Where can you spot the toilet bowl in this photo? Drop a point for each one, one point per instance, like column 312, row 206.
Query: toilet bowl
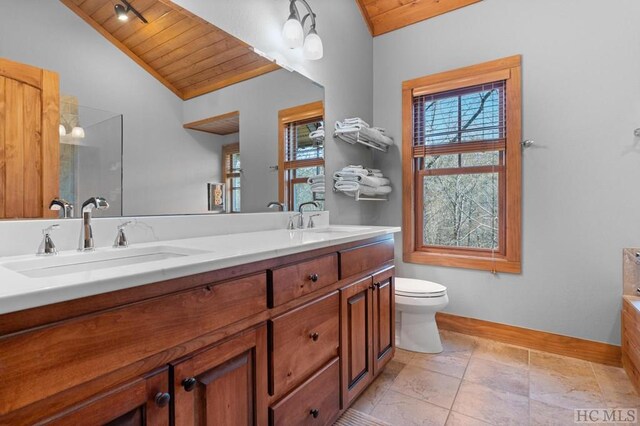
column 417, row 302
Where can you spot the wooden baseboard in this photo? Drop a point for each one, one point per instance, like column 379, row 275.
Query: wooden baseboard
column 574, row 347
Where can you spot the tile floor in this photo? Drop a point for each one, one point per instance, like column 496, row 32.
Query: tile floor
column 481, row 382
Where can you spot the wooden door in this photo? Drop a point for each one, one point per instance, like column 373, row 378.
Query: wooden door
column 29, row 140
column 356, row 309
column 141, row 402
column 383, row 319
column 224, row 385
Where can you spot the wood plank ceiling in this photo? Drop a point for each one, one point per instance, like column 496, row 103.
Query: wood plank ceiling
column 383, row 16
column 224, row 124
column 183, row 51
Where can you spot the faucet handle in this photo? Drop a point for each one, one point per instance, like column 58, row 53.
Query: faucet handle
column 311, row 223
column 48, row 248
column 50, row 229
column 121, row 238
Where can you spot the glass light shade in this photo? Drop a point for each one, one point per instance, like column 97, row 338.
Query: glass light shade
column 313, row 49
column 292, row 33
column 61, row 130
column 77, row 132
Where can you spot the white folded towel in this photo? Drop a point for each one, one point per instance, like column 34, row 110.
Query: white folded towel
column 374, row 181
column 380, row 190
column 356, row 120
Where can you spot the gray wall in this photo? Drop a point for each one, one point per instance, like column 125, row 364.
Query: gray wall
column 581, row 102
column 258, row 101
column 345, row 71
column 165, row 167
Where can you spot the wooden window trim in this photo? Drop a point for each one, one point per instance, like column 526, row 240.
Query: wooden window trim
column 510, row 259
column 286, row 116
column 227, row 152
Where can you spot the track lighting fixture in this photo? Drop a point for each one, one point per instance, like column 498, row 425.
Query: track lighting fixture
column 293, row 32
column 122, row 11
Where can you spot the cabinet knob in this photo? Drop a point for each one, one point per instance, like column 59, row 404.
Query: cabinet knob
column 189, row 384
column 314, row 413
column 372, row 287
column 314, row 336
column 377, row 284
column 162, row 399
column 314, row 277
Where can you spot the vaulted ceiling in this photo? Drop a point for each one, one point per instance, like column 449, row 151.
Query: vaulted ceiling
column 383, row 16
column 184, row 52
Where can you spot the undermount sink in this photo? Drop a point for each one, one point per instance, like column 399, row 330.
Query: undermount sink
column 338, row 229
column 83, row 262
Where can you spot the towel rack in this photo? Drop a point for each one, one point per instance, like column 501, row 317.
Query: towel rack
column 359, row 197
column 355, row 138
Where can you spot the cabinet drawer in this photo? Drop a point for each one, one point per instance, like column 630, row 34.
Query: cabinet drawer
column 87, row 347
column 360, row 259
column 292, row 281
column 303, row 340
column 316, row 402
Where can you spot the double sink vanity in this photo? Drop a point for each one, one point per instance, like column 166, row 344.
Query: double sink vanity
column 275, row 326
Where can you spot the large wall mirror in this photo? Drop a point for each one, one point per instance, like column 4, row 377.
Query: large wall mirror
column 168, row 116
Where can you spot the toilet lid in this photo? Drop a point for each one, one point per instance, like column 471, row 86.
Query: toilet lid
column 419, row 288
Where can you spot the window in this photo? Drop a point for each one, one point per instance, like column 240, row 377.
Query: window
column 462, row 167
column 300, row 156
column 231, row 169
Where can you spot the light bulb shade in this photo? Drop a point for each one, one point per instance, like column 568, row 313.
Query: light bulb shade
column 121, row 12
column 313, row 48
column 292, row 33
column 61, row 130
column 77, row 132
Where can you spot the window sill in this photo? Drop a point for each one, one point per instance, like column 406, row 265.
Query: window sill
column 498, row 264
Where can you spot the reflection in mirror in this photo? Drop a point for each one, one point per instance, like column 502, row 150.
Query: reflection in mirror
column 196, row 123
column 90, row 156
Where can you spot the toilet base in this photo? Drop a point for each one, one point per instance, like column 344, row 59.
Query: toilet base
column 418, row 333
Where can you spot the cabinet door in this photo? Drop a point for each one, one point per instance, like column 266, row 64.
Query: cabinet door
column 224, row 385
column 144, row 401
column 383, row 319
column 356, row 309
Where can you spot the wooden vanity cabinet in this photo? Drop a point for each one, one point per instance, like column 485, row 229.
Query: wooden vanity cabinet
column 285, row 341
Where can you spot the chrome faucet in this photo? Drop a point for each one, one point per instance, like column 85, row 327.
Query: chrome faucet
column 98, row 203
column 276, row 204
column 301, row 217
column 62, row 205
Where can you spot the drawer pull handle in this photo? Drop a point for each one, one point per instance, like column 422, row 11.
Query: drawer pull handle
column 314, row 277
column 189, row 384
column 162, row 399
column 314, row 336
column 315, row 413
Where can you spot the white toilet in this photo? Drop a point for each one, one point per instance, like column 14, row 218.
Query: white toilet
column 417, row 302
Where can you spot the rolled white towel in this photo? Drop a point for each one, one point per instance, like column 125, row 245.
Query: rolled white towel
column 356, row 120
column 318, row 187
column 355, row 169
column 344, row 185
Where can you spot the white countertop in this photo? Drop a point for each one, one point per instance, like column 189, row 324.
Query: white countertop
column 18, row 292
